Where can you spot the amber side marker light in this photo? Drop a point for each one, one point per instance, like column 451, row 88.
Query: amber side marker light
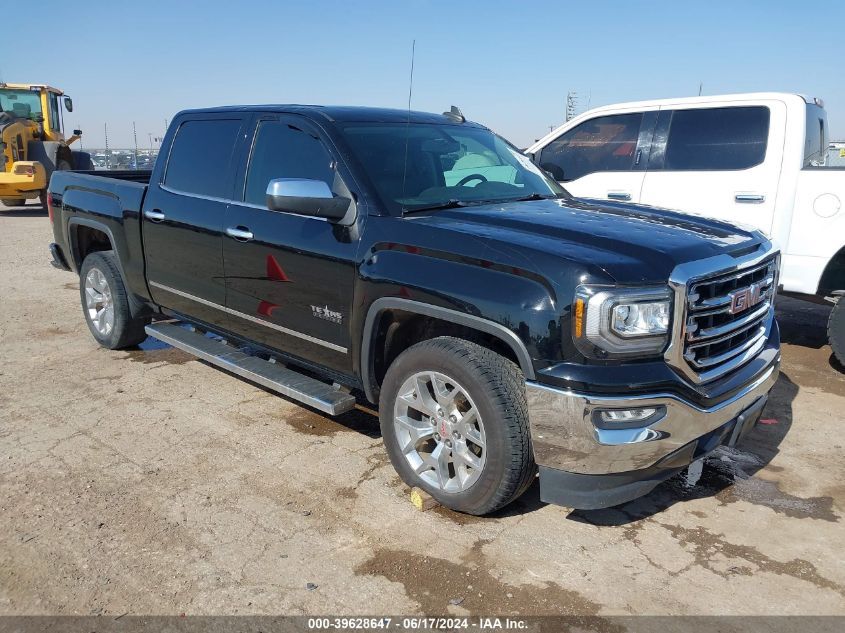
column 579, row 318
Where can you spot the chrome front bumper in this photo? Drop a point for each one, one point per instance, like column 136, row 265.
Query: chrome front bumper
column 565, row 438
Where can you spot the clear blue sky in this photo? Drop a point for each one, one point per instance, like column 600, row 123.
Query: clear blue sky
column 506, row 64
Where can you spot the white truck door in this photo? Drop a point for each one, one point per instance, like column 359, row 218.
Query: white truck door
column 603, row 156
column 720, row 161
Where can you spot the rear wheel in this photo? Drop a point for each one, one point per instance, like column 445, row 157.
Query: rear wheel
column 105, row 304
column 455, row 423
column 14, row 202
column 836, row 330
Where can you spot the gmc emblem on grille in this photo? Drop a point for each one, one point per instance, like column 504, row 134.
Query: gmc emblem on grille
column 745, row 298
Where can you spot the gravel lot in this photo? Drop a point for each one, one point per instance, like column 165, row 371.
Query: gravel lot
column 147, row 482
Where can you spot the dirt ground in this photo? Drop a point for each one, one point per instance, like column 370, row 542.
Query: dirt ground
column 147, row 482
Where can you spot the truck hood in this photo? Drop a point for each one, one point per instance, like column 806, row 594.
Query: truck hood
column 631, row 243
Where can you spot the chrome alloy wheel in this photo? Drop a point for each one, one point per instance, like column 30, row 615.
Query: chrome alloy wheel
column 440, row 432
column 98, row 301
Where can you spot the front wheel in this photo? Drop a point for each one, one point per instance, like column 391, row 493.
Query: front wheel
column 105, row 304
column 455, row 423
column 836, row 330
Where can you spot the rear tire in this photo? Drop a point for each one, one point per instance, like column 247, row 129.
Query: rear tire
column 836, row 330
column 105, row 303
column 14, row 202
column 470, row 462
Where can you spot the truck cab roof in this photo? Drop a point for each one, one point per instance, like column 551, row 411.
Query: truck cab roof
column 345, row 114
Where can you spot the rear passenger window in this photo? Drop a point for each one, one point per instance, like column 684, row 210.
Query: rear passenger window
column 607, row 143
column 815, row 141
column 717, row 138
column 200, row 157
column 283, row 150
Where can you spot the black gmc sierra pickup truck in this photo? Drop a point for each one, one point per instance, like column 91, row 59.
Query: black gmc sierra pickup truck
column 421, row 262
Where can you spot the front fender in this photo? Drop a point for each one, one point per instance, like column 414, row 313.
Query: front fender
column 513, row 304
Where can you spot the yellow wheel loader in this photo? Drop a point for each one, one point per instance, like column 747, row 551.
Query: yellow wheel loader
column 32, row 141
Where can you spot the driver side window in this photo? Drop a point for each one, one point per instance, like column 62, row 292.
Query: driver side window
column 607, row 143
column 283, row 150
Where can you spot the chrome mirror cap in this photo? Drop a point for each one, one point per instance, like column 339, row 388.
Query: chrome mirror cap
column 305, row 197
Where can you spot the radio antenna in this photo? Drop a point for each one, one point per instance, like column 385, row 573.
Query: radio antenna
column 408, row 124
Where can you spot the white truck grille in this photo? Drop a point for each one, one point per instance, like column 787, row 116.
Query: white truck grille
column 727, row 319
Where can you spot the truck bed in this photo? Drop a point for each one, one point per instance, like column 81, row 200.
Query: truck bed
column 112, row 201
column 132, row 175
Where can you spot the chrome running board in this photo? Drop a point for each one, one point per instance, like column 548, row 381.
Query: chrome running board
column 272, row 375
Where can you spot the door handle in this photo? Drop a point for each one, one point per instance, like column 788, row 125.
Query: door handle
column 619, row 195
column 240, row 233
column 750, row 198
column 155, row 215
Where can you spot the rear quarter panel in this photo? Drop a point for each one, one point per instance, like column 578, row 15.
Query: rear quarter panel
column 818, row 227
column 110, row 205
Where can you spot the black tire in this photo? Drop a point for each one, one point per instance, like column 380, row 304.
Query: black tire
column 497, row 388
column 836, row 330
column 126, row 331
column 42, row 198
column 14, row 202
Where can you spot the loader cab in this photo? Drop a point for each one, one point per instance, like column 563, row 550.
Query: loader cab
column 44, row 106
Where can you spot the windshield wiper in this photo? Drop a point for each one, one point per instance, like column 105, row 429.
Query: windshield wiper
column 534, row 196
column 452, row 203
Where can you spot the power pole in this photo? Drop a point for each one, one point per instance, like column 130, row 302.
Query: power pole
column 135, row 136
column 571, row 103
column 150, row 134
column 108, row 153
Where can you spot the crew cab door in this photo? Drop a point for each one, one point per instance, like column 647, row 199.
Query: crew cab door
column 289, row 278
column 721, row 161
column 604, row 156
column 183, row 218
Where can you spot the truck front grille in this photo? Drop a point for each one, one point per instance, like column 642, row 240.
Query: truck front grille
column 728, row 318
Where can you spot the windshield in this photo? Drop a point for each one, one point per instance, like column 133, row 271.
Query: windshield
column 23, row 104
column 446, row 164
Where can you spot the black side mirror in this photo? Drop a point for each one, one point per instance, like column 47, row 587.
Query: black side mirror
column 306, row 197
column 68, row 104
column 77, row 132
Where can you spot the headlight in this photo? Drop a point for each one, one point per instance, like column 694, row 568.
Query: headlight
column 610, row 322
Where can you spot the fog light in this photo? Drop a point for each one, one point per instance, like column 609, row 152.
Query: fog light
column 627, row 415
column 628, row 418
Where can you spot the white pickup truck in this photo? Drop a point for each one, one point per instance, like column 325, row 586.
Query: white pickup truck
column 752, row 159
